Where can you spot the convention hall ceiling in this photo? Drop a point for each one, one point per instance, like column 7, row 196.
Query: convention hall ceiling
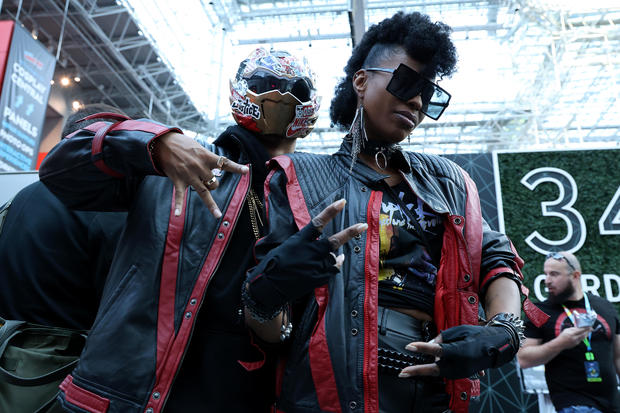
column 532, row 73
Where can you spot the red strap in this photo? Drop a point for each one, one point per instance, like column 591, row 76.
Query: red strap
column 537, row 316
column 97, row 150
column 83, row 398
column 254, row 365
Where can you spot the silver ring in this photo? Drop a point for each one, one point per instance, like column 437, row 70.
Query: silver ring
column 210, row 181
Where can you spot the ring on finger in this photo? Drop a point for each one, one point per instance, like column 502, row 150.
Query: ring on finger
column 210, row 181
column 220, row 162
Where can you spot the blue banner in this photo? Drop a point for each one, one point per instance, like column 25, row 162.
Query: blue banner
column 23, row 103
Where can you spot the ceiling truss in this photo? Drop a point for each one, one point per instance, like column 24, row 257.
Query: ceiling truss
column 116, row 62
column 566, row 62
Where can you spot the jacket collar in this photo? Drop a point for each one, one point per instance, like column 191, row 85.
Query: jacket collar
column 410, row 166
column 249, row 149
column 365, row 174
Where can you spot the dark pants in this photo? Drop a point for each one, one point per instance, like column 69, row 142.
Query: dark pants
column 407, row 395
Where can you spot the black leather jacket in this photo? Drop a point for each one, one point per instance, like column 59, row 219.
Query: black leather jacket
column 162, row 268
column 332, row 364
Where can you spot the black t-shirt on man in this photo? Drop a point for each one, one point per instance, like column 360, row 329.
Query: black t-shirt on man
column 565, row 373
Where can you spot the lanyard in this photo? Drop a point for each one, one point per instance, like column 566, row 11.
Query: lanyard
column 569, row 314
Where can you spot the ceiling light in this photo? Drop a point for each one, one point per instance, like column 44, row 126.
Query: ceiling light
column 77, row 79
column 65, row 81
column 77, row 105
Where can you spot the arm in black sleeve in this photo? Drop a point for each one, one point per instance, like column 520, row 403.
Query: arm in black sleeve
column 100, row 166
column 499, row 259
column 280, row 219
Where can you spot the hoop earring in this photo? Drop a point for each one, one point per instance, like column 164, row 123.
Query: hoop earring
column 358, row 135
column 383, row 158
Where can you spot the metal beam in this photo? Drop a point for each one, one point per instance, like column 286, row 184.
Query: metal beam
column 288, row 11
column 357, row 21
column 307, row 37
column 107, row 11
column 87, row 23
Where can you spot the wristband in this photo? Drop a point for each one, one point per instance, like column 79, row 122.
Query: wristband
column 513, row 324
column 257, row 312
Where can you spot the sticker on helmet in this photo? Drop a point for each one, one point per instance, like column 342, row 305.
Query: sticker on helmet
column 246, row 108
column 302, row 111
column 305, row 117
column 273, row 93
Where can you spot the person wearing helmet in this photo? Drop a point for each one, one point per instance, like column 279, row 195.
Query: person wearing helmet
column 170, row 333
column 273, row 94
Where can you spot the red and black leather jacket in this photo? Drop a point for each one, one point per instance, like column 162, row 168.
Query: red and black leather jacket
column 162, row 267
column 332, row 363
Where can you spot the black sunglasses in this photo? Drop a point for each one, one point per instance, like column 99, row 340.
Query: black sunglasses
column 406, row 83
column 262, row 82
column 560, row 257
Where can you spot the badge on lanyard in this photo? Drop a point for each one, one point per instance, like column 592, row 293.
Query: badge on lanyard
column 593, row 371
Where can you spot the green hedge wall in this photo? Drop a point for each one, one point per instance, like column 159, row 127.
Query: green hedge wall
column 597, row 176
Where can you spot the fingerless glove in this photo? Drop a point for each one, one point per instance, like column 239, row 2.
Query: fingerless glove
column 290, row 271
column 469, row 349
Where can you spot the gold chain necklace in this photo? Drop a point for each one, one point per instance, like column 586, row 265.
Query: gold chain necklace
column 254, row 204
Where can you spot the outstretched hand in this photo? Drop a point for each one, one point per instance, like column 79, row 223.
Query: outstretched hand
column 187, row 163
column 463, row 351
column 339, row 238
column 432, row 348
column 300, row 264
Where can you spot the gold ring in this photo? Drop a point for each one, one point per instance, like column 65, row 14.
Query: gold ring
column 210, row 181
column 220, row 162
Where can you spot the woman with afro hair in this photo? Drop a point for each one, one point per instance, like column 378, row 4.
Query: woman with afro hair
column 388, row 321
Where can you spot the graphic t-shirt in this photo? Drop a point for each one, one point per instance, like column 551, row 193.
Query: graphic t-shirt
column 407, row 270
column 565, row 373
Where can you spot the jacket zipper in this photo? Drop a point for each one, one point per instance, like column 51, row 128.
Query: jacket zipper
column 217, row 266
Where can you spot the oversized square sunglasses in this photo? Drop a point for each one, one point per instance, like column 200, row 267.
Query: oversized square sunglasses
column 559, row 257
column 406, row 83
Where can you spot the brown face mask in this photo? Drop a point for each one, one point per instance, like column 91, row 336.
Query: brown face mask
column 274, row 112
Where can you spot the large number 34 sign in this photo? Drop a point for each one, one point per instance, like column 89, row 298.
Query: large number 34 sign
column 562, row 207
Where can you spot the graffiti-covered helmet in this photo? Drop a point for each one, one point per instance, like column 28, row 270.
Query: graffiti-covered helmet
column 274, row 93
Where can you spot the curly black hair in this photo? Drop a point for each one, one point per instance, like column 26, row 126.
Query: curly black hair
column 427, row 42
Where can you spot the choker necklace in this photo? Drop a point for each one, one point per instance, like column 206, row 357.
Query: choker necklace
column 382, row 152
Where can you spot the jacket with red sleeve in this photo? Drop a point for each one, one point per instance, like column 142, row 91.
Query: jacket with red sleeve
column 162, row 267
column 332, row 362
